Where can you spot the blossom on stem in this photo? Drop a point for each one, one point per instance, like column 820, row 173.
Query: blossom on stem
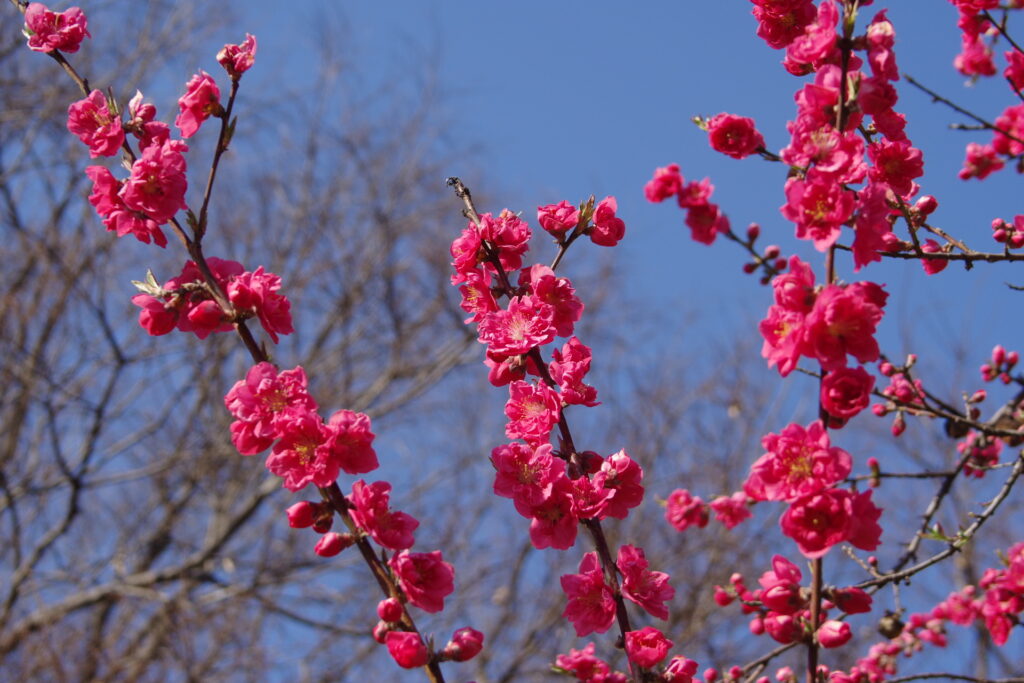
column 649, row 589
column 262, row 402
column 118, row 218
column 798, row 462
column 407, row 649
column 425, row 578
column 683, row 510
column 734, row 136
column 200, row 101
column 532, row 410
column 647, row 647
column 608, row 229
column 591, row 604
column 237, row 59
column 157, row 183
column 49, row 31
column 94, row 124
column 372, row 512
column 558, row 219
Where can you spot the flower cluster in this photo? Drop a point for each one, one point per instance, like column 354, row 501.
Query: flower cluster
column 187, row 303
column 704, row 218
column 825, row 324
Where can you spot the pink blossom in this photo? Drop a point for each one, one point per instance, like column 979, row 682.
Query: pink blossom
column 649, row 589
column 680, row 670
column 155, row 317
column 523, row 473
column 835, row 155
column 607, row 229
column 820, row 520
column 817, row 45
column 975, row 58
column 780, row 22
column 667, row 182
column 621, row 476
column 568, row 367
column 784, row 338
column 528, row 322
column 695, row 193
column 200, row 101
column 261, row 402
column 350, row 442
column 302, row 514
column 141, row 123
column 846, row 391
column 794, row 289
column 509, row 235
column 301, row 457
column 982, row 453
column 872, row 225
column 425, row 578
column 157, row 183
column 798, row 462
column 647, row 647
column 731, row 510
column 51, row 31
column 834, row 633
column 733, row 135
column 407, row 649
column 591, row 604
column 117, row 217
column 843, row 322
column 237, row 59
column 465, row 644
column 555, row 291
column 583, row 664
column 881, row 36
column 91, row 120
column 477, row 298
column 467, row 254
column 933, row 266
column 532, row 410
column 558, row 219
column 256, row 293
column 819, row 206
column 371, row 511
column 553, row 521
column 981, row 162
column 683, row 510
column 895, row 164
column 706, row 221
column 1014, row 71
column 1011, row 121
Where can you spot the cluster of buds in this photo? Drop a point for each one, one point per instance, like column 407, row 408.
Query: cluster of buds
column 1001, row 365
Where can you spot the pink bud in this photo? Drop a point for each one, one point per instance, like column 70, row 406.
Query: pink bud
column 302, row 514
column 710, row 675
column 1005, row 378
column 756, row 626
column 735, row 672
column 1017, row 240
column 879, row 410
column 754, row 231
column 772, row 251
column 390, row 609
column 749, row 268
column 926, row 204
column 780, row 264
column 380, row 631
column 331, row 544
column 887, row 368
column 723, row 597
column 998, row 355
column 978, row 396
column 1000, row 235
column 1011, row 359
column 465, row 644
column 899, row 425
column 834, row 633
column 407, row 649
column 852, row 600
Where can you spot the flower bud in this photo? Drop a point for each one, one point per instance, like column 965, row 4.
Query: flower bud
column 978, row 396
column 899, row 425
column 381, row 631
column 302, row 514
column 465, row 644
column 331, row 544
column 772, row 251
column 998, row 354
column 753, row 231
column 834, row 633
column 390, row 610
column 926, row 204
